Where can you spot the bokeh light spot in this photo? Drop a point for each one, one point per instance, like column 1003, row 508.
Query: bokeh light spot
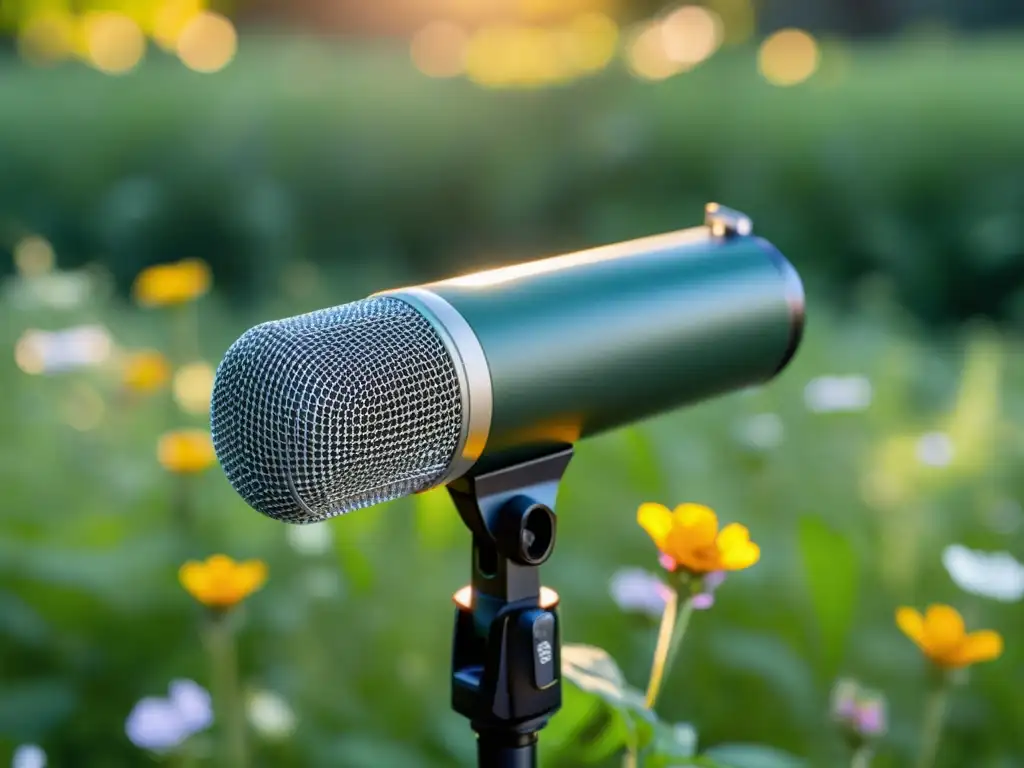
column 33, row 256
column 691, row 34
column 516, row 56
column 647, row 56
column 171, row 18
column 49, row 352
column 591, row 40
column 193, row 386
column 438, row 49
column 208, row 43
column 29, row 353
column 114, row 43
column 788, row 57
column 47, row 38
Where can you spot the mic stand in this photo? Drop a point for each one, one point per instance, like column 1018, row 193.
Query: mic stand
column 506, row 652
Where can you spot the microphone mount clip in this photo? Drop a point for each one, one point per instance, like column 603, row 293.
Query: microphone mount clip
column 506, row 654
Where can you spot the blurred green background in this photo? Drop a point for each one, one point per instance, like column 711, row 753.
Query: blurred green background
column 314, row 152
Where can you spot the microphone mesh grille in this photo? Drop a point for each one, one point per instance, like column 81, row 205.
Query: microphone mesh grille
column 318, row 415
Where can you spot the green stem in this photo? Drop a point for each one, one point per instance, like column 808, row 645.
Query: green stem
column 934, row 720
column 227, row 698
column 862, row 758
column 674, row 621
column 183, row 759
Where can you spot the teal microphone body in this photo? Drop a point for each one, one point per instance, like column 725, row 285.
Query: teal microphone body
column 355, row 405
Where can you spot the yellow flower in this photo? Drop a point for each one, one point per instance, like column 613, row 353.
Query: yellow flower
column 145, row 371
column 221, row 582
column 689, row 536
column 186, row 451
column 941, row 637
column 175, row 283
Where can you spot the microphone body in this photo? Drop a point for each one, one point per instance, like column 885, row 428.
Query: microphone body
column 579, row 344
column 340, row 409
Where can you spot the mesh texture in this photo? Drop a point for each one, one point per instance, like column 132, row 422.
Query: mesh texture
column 322, row 414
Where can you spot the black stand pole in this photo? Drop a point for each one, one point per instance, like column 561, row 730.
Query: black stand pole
column 506, row 652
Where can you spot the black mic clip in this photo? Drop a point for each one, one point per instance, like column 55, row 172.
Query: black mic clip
column 506, row 654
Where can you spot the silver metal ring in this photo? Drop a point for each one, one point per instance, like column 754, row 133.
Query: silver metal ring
column 471, row 367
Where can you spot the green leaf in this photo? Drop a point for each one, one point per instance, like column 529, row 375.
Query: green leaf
column 594, row 671
column 831, row 570
column 782, row 671
column 586, row 730
column 752, row 756
column 674, row 745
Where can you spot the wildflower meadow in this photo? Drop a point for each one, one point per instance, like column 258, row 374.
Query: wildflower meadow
column 816, row 572
column 823, row 571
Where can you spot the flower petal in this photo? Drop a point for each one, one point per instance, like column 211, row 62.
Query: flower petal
column 911, row 623
column 985, row 645
column 944, row 629
column 250, row 576
column 733, row 535
column 699, row 560
column 740, row 556
column 700, row 523
column 193, row 578
column 656, row 520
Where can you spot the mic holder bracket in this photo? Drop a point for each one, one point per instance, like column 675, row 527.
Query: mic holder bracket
column 506, row 659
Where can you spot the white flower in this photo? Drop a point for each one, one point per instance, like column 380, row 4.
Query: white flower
column 270, row 714
column 834, row 394
column 51, row 352
column 313, row 539
column 29, row 756
column 996, row 575
column 762, row 432
column 935, row 449
column 636, row 590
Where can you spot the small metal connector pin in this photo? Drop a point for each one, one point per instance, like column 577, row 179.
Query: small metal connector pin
column 726, row 222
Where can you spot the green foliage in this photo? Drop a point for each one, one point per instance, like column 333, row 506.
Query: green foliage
column 349, row 159
column 357, row 638
column 297, row 164
column 747, row 756
column 832, row 576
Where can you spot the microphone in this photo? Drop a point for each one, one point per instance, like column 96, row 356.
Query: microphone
column 340, row 409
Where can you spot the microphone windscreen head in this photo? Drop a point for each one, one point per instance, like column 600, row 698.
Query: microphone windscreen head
column 321, row 414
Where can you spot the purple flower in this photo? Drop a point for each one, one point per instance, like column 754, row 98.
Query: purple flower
column 162, row 724
column 870, row 718
column 706, row 598
column 636, row 590
column 859, row 711
column 193, row 703
column 29, row 756
column 844, row 699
